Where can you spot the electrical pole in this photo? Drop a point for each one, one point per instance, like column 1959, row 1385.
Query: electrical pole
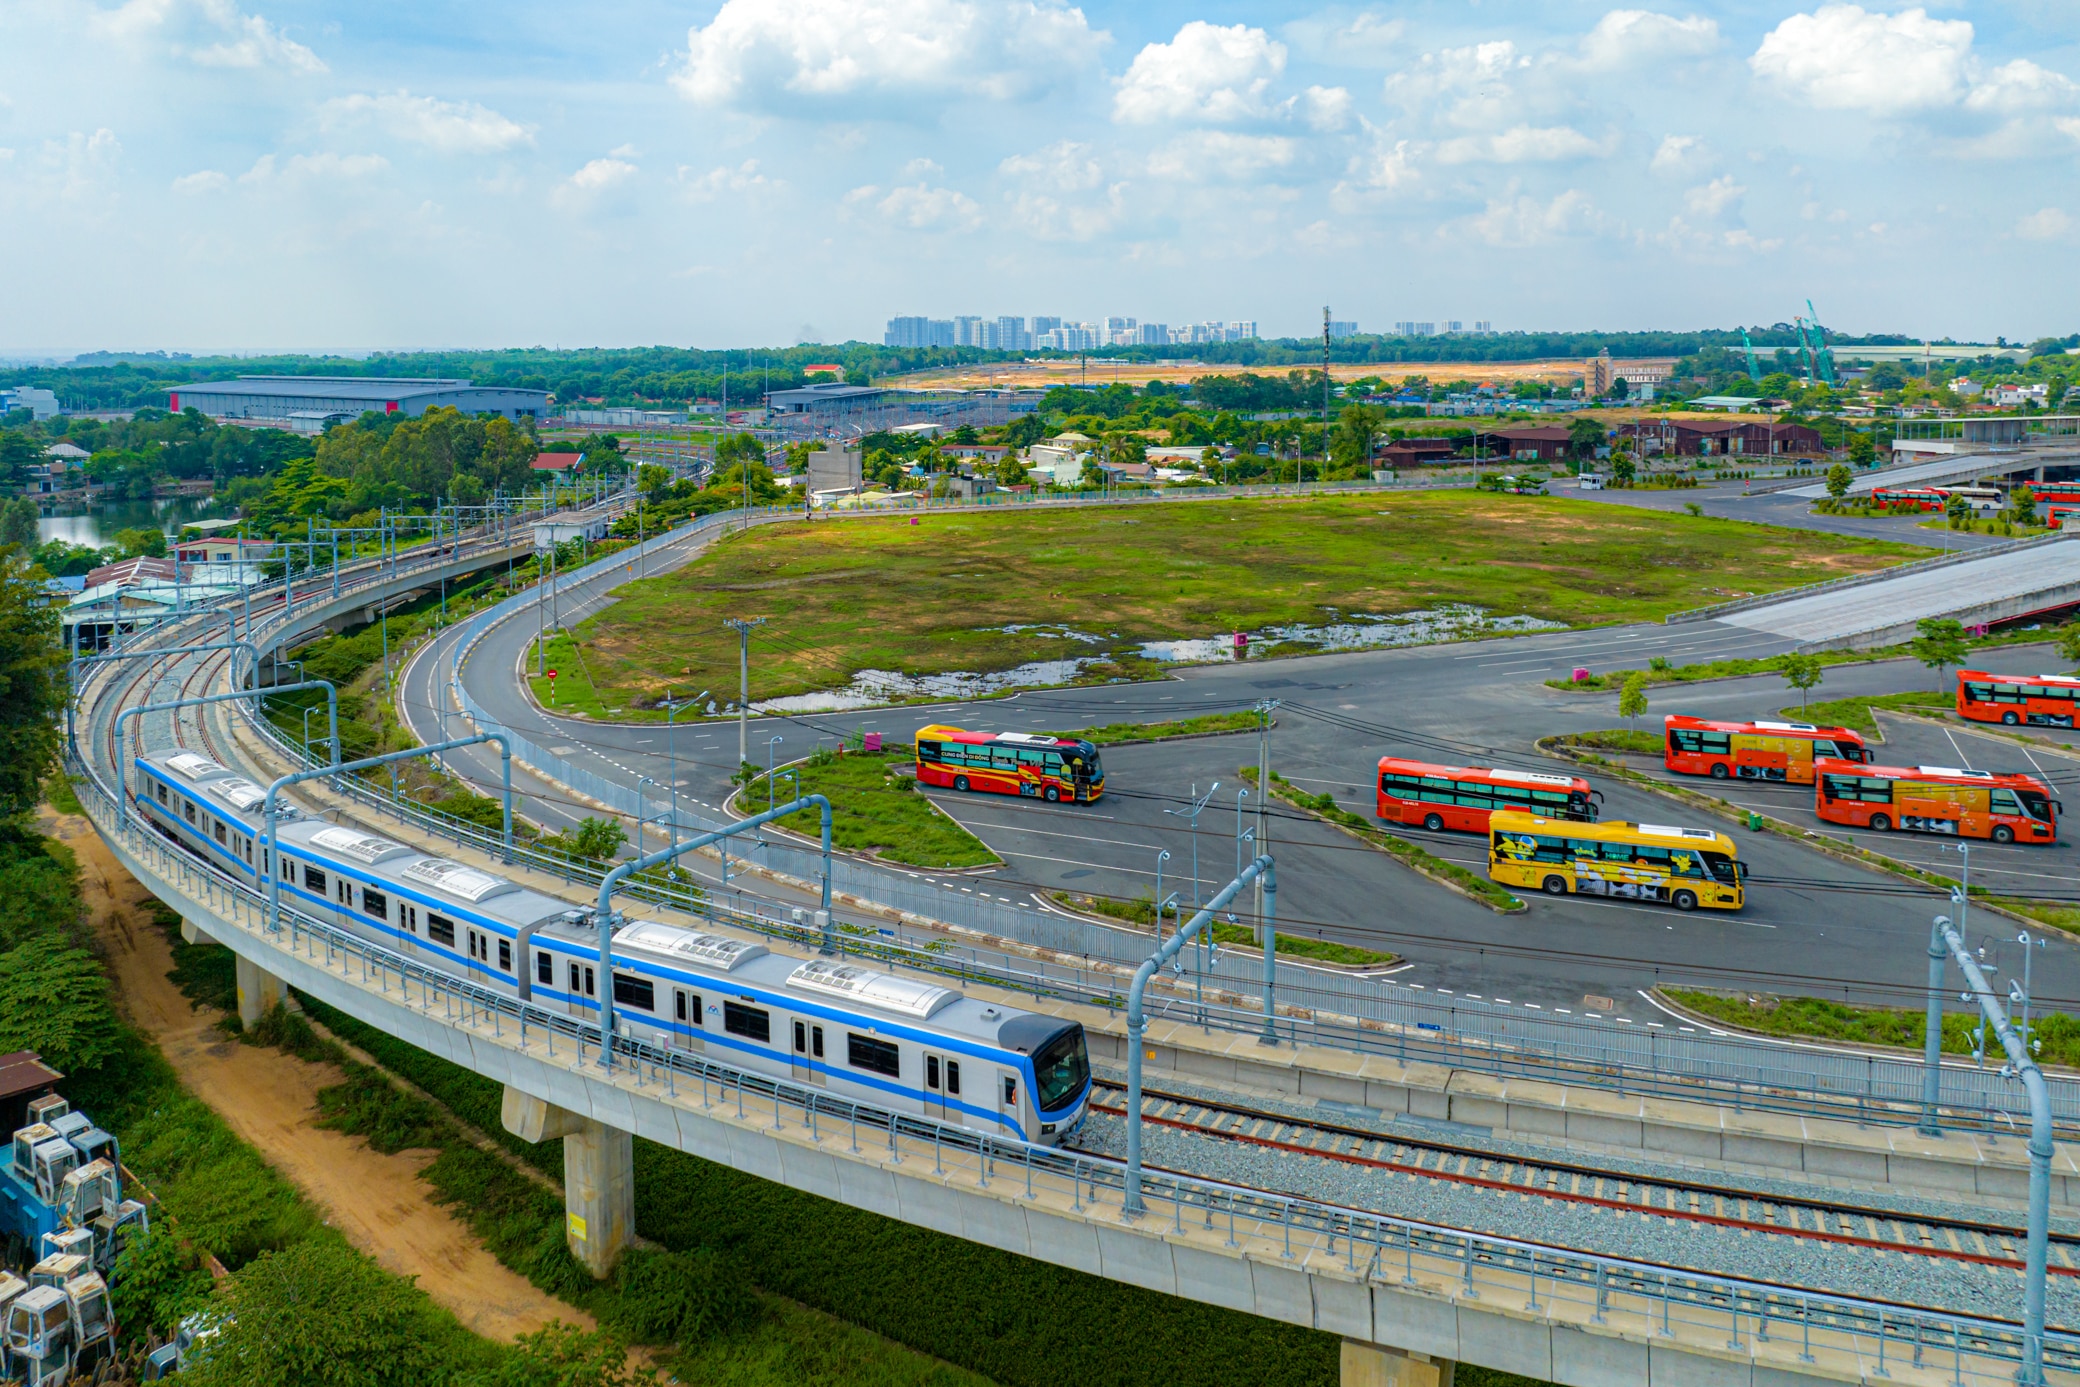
column 1264, row 711
column 1323, row 469
column 743, row 629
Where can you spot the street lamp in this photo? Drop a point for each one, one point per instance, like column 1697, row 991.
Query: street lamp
column 1161, row 857
column 671, row 735
column 1198, row 802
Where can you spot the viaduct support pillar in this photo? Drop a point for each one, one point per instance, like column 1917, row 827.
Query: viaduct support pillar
column 599, row 1176
column 259, row 991
column 1376, row 1365
column 192, row 933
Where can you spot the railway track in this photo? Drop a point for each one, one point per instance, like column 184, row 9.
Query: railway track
column 1722, row 1206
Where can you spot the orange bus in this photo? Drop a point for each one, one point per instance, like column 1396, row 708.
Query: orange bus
column 2041, row 700
column 1055, row 769
column 1782, row 751
column 1922, row 498
column 2006, row 807
column 1462, row 797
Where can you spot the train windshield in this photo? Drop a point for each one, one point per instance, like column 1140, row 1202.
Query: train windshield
column 1060, row 1070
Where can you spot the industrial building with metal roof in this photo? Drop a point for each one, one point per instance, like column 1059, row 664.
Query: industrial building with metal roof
column 347, row 397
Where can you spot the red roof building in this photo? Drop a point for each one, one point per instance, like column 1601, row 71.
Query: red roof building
column 556, row 462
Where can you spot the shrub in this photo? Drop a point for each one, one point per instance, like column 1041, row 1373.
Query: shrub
column 681, row 1298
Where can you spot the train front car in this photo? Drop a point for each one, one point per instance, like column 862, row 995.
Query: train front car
column 1058, row 1072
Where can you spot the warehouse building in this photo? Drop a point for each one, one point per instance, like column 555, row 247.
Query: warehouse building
column 298, row 399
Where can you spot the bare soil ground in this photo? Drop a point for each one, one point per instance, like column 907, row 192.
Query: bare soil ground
column 270, row 1100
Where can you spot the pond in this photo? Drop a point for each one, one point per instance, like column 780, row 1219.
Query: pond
column 96, row 525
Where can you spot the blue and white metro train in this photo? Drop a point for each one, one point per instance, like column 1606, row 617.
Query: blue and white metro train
column 894, row 1042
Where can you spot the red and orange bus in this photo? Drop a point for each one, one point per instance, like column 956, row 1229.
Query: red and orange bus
column 1462, row 797
column 1924, row 498
column 2006, row 807
column 1782, row 751
column 1056, row 769
column 2041, row 700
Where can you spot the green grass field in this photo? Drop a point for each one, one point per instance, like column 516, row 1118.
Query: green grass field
column 942, row 595
column 874, row 810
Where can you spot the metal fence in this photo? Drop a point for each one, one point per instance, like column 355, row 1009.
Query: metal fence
column 1643, row 1300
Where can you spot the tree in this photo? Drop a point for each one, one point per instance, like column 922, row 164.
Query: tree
column 1358, row 428
column 319, row 1312
column 18, row 525
column 1940, row 644
column 1624, row 468
column 1620, row 388
column 54, row 1000
column 1584, row 436
column 1863, row 450
column 593, row 840
column 653, row 481
column 1632, row 698
column 1839, row 478
column 1958, row 509
column 1010, row 470
column 2069, row 642
column 2022, row 506
column 562, row 1355
column 1802, row 672
column 32, row 686
column 146, row 541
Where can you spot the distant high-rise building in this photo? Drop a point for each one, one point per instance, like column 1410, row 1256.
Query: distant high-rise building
column 1154, row 335
column 1407, row 328
column 1043, row 325
column 1012, row 336
column 1596, row 374
column 1482, row 327
column 967, row 330
column 1242, row 332
column 907, row 332
column 1454, row 327
column 1342, row 329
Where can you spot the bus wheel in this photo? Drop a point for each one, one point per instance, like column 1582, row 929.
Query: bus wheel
column 2010, row 719
column 1434, row 822
column 1555, row 885
column 2003, row 834
column 960, row 782
column 1054, row 796
column 1684, row 900
column 1718, row 770
column 1880, row 824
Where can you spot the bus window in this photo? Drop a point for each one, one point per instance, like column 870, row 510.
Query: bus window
column 928, row 751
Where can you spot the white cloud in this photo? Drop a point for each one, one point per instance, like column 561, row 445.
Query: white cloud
column 1525, row 221
column 450, row 127
column 776, row 54
column 1062, row 193
column 1206, row 72
column 1678, row 154
column 600, row 174
column 210, row 33
column 1624, row 37
column 1220, row 154
column 1064, row 166
column 2020, row 86
column 2050, row 224
column 1843, row 57
column 1523, row 144
column 1384, row 168
column 1715, row 197
column 202, row 181
column 324, row 167
column 1328, row 108
column 706, row 187
column 919, row 207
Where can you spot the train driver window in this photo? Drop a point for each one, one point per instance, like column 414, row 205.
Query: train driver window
column 544, row 970
column 314, row 880
column 1010, row 1091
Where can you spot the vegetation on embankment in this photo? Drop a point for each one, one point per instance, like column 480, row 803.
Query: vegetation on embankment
column 1413, row 855
column 1855, row 713
column 1661, row 670
column 875, row 808
column 986, row 592
column 988, row 1311
column 1906, row 1028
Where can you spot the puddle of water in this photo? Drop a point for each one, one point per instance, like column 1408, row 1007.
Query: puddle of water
column 1448, row 622
column 1063, row 633
column 872, row 687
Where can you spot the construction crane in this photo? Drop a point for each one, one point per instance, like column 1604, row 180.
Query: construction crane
column 1822, row 357
column 1754, row 372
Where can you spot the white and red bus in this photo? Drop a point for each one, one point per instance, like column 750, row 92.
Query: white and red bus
column 2006, row 807
column 1782, row 751
column 1462, row 797
column 2040, row 700
column 1056, row 769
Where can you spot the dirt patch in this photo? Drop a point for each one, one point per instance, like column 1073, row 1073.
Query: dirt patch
column 270, row 1099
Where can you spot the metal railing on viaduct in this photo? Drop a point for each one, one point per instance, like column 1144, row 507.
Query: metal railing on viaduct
column 1387, row 1284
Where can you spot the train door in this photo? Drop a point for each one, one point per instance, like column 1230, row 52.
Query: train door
column 1007, row 1103
column 942, row 1086
column 808, row 1052
column 408, row 916
column 479, row 952
column 582, row 993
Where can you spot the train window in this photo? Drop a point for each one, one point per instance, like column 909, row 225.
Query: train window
column 1010, row 1091
column 441, row 930
column 505, row 955
column 931, row 1071
column 344, row 890
column 218, row 827
column 589, row 981
column 544, row 970
column 314, row 880
column 816, row 1041
column 188, row 809
column 411, row 918
column 754, row 1022
column 953, row 1078
column 687, row 1007
column 635, row 992
column 877, row 1056
column 375, row 903
column 162, row 792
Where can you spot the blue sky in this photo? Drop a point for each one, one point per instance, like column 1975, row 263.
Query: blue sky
column 263, row 174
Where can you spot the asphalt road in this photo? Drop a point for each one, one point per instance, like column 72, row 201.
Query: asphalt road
column 1727, row 502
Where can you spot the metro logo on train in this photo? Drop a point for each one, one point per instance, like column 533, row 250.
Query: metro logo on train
column 901, row 1043
column 1783, row 751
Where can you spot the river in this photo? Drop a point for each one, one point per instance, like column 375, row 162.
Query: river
column 96, row 525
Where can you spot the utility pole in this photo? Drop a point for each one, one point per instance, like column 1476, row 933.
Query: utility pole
column 743, row 629
column 1323, row 469
column 1264, row 711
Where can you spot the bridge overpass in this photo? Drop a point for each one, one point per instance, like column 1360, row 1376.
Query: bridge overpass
column 1410, row 1296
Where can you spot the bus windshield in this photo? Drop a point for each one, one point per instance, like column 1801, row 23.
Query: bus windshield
column 2036, row 805
column 1084, row 765
column 1060, row 1070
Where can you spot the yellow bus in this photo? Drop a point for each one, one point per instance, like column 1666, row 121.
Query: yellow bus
column 1685, row 867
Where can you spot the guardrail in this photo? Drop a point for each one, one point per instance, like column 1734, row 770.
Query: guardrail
column 1369, row 1015
column 1653, row 1302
